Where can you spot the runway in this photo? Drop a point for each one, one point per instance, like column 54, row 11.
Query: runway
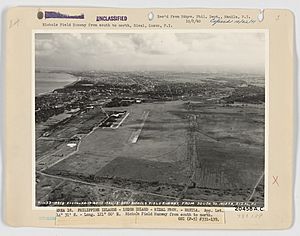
column 135, row 134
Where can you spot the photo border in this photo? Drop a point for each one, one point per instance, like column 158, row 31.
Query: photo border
column 144, row 31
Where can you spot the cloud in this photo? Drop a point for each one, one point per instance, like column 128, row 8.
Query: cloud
column 44, row 47
column 158, row 43
column 139, row 51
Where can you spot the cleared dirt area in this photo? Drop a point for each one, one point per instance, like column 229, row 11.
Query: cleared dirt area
column 201, row 153
column 191, row 136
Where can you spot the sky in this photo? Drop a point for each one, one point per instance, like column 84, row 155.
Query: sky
column 237, row 51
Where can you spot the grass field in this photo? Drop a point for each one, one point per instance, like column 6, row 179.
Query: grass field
column 194, row 152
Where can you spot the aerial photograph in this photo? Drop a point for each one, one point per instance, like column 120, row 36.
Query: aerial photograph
column 150, row 118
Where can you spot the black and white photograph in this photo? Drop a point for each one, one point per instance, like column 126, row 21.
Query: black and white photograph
column 150, row 118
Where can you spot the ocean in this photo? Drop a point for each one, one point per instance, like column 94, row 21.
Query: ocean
column 48, row 81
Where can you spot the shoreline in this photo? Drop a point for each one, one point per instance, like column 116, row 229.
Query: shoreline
column 52, row 91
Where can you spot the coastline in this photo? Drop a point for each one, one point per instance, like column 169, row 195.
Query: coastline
column 68, row 84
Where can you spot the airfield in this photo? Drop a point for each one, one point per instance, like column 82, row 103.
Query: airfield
column 159, row 151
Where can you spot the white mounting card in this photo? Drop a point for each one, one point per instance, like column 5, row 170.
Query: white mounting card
column 149, row 118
